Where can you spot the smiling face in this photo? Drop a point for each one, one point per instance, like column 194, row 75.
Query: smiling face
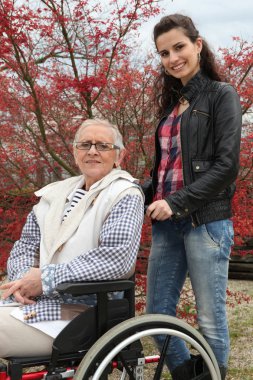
column 179, row 55
column 95, row 164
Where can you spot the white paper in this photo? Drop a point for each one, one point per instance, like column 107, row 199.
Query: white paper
column 51, row 328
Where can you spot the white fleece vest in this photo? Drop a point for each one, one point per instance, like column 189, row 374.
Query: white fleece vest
column 63, row 241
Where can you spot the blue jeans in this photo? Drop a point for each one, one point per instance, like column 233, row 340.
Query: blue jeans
column 203, row 252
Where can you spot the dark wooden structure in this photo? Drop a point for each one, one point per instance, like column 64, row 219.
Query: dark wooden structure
column 241, row 265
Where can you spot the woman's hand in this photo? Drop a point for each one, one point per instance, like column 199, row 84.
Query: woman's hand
column 159, row 210
column 25, row 288
column 22, row 299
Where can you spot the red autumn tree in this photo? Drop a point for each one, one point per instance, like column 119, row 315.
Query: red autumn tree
column 237, row 67
column 56, row 60
column 127, row 101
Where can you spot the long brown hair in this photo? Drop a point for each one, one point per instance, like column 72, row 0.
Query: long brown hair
column 166, row 86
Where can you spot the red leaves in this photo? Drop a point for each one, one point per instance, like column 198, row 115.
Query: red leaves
column 13, row 211
column 89, row 83
column 86, row 84
column 236, row 66
column 243, row 199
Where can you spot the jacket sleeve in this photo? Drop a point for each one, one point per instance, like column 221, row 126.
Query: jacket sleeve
column 148, row 191
column 115, row 256
column 25, row 252
column 227, row 121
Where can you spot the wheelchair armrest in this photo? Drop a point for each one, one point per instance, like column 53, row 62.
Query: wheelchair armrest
column 95, row 287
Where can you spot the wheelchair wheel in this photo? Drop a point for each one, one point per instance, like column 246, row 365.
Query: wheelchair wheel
column 127, row 351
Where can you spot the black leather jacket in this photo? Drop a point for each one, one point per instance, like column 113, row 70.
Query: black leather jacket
column 210, row 143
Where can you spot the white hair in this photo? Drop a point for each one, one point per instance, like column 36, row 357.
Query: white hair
column 118, row 140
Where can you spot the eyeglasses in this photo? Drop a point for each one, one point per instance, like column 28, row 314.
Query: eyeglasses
column 100, row 146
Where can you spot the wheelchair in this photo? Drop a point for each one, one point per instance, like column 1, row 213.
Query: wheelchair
column 109, row 342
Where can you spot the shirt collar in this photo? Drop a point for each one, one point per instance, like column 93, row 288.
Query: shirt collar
column 79, row 185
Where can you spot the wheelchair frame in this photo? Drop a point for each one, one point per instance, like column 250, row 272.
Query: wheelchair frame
column 107, row 337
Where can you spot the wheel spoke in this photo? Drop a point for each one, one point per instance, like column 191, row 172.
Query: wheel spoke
column 159, row 368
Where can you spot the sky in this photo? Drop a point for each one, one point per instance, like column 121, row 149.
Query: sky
column 217, row 20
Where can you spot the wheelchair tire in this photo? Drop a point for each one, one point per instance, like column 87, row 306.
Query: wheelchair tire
column 114, row 341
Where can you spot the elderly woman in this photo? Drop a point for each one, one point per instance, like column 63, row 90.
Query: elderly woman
column 84, row 228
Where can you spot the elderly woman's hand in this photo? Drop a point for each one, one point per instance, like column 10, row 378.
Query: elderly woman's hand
column 25, row 288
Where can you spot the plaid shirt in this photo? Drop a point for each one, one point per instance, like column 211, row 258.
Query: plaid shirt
column 170, row 173
column 119, row 244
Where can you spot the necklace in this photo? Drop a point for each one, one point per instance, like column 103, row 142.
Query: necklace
column 183, row 101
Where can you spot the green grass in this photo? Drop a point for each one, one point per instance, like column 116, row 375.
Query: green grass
column 241, row 335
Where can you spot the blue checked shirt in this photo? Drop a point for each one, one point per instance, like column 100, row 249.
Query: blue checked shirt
column 117, row 251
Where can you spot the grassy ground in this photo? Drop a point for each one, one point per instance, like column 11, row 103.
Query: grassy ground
column 241, row 332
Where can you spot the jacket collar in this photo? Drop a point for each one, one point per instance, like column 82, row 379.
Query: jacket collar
column 189, row 91
column 194, row 86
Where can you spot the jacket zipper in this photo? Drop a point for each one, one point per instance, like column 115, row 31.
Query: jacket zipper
column 194, row 112
column 181, row 153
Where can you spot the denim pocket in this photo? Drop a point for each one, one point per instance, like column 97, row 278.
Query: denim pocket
column 230, row 231
column 214, row 231
column 219, row 231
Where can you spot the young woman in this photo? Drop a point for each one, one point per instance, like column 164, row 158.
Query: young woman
column 197, row 144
